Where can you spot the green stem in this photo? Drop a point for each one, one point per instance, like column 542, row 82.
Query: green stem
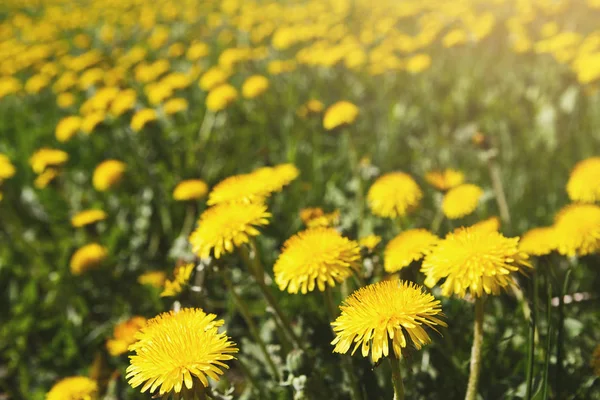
column 246, row 314
column 531, row 341
column 475, row 364
column 346, row 362
column 496, row 177
column 397, row 378
column 560, row 348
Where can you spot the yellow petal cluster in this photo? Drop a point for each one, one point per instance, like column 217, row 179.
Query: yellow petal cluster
column 74, row 388
column 87, row 217
column 191, row 189
column 124, row 335
column 410, row 245
column 461, row 200
column 394, row 195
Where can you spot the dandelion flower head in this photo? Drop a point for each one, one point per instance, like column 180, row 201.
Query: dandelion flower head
column 394, row 194
column 315, row 258
column 221, row 97
column 176, row 351
column 473, row 260
column 191, row 189
column 47, row 157
column 7, row 169
column 445, row 179
column 226, row 226
column 108, row 174
column 577, row 229
column 339, row 114
column 461, row 200
column 584, row 182
column 388, row 310
column 152, row 278
column 254, row 86
column 410, row 245
column 87, row 257
column 538, row 241
column 370, row 242
column 74, row 388
column 124, row 335
column 181, row 277
column 45, row 178
column 87, row 217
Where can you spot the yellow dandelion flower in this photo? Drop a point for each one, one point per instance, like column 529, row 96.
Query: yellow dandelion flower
column 490, row 224
column 181, row 277
column 340, row 113
column 44, row 179
column 311, row 107
column 67, row 127
column 47, row 157
column 418, row 63
column 577, row 229
column 87, row 257
column 307, row 214
column 9, row 85
column 388, row 310
column 173, row 106
column 408, row 246
column 369, row 242
column 225, row 226
column 254, row 86
column 142, row 117
column 36, row 83
column 7, row 169
column 152, row 278
column 315, row 257
column 74, row 388
column 221, row 97
column 475, row 260
column 65, row 100
column 212, row 78
column 92, row 120
column 461, row 200
column 108, row 174
column 123, row 102
column 87, row 217
column 325, row 220
column 584, row 182
column 191, row 189
column 176, row 50
column 196, row 51
column 124, row 335
column 538, row 241
column 394, row 194
column 445, row 179
column 175, row 353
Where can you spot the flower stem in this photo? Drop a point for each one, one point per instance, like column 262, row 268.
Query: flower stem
column 397, row 378
column 346, row 363
column 496, row 177
column 243, row 308
column 476, row 351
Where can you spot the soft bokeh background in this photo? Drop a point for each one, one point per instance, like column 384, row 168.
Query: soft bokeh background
column 427, row 77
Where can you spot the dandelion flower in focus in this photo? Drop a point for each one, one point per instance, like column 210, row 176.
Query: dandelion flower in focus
column 315, row 257
column 74, row 388
column 538, row 241
column 388, row 310
column 473, row 260
column 124, row 335
column 152, row 278
column 181, row 277
column 191, row 189
column 226, row 226
column 254, row 86
column 221, row 97
column 340, row 113
column 87, row 257
column 141, row 118
column 108, row 174
column 410, row 245
column 45, row 178
column 445, row 179
column 46, row 157
column 584, row 182
column 461, row 200
column 577, row 229
column 87, row 217
column 67, row 127
column 394, row 194
column 175, row 353
column 369, row 242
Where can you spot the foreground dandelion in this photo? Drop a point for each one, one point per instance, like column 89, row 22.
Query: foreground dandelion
column 226, row 226
column 394, row 195
column 410, row 245
column 191, row 189
column 87, row 217
column 386, row 311
column 181, row 277
column 478, row 261
column 74, row 388
column 577, row 229
column 584, row 182
column 445, row 179
column 124, row 335
column 315, row 258
column 461, row 201
column 87, row 257
column 176, row 352
column 339, row 114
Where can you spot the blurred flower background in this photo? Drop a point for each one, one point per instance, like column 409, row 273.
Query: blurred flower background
column 227, row 199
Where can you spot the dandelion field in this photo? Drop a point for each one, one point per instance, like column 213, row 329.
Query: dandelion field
column 299, row 199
